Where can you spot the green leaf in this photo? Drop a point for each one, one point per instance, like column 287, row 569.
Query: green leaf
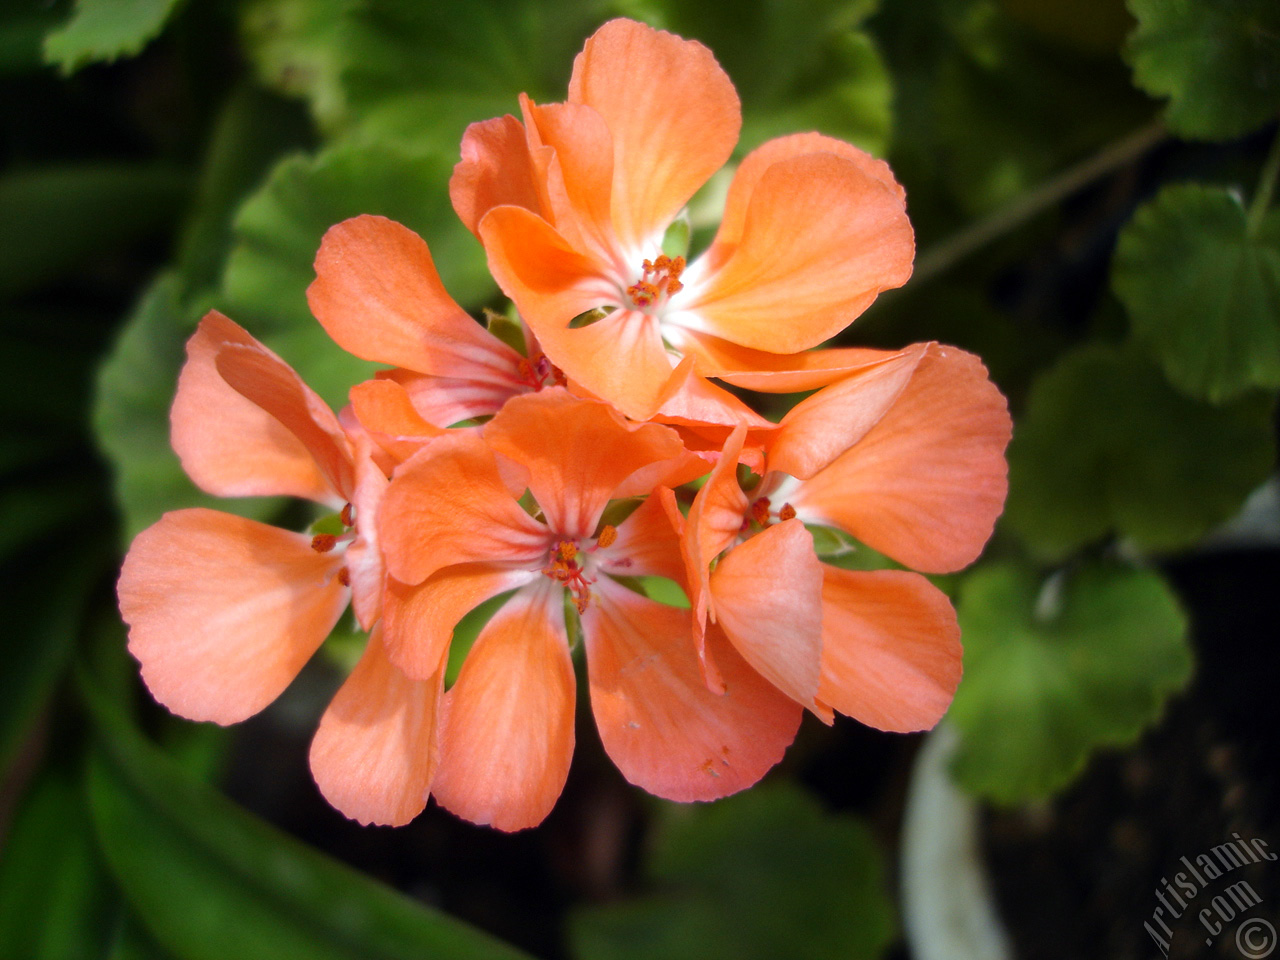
column 134, row 943
column 279, row 229
column 763, row 874
column 105, row 30
column 55, row 897
column 1105, row 445
column 987, row 109
column 797, row 66
column 22, row 33
column 1056, row 670
column 1202, row 291
column 853, row 101
column 1218, row 62
column 67, row 214
column 136, row 383
column 210, row 881
column 362, row 66
column 131, row 415
column 250, row 133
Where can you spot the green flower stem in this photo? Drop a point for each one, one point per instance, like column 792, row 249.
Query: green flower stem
column 940, row 258
column 1266, row 187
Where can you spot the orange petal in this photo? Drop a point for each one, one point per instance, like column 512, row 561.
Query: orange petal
column 260, row 376
column 619, row 358
column 385, row 409
column 579, row 453
column 695, row 584
column 578, row 175
column 714, row 522
column 691, row 399
column 821, row 427
column 507, row 737
column 448, row 401
column 767, row 594
column 378, row 294
column 769, row 372
column 365, row 567
column 449, row 505
column 647, row 545
column 230, row 446
column 673, row 114
column 715, row 519
column 419, row 620
column 747, row 177
column 926, row 484
column 658, row 722
column 377, row 747
column 820, row 241
column 223, row 611
column 890, row 648
column 495, row 170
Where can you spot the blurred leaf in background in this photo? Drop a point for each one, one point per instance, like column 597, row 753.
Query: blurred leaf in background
column 210, row 881
column 1218, row 62
column 763, row 874
column 363, row 70
column 1200, row 278
column 105, row 30
column 1056, row 668
column 818, row 70
column 1106, row 446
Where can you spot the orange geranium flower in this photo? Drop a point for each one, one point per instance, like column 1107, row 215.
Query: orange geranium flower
column 223, row 612
column 455, row 534
column 906, row 453
column 572, row 206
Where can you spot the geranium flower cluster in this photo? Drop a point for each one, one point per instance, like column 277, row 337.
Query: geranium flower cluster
column 570, row 475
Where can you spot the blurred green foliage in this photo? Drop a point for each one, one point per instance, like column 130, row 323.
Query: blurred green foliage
column 161, row 159
column 1074, row 476
column 764, row 874
column 1218, row 62
column 1057, row 668
column 1200, row 278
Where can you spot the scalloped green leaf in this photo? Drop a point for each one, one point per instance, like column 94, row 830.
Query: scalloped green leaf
column 1203, row 290
column 1107, row 446
column 210, row 881
column 1055, row 670
column 105, row 30
column 760, row 875
column 1218, row 62
column 278, row 232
